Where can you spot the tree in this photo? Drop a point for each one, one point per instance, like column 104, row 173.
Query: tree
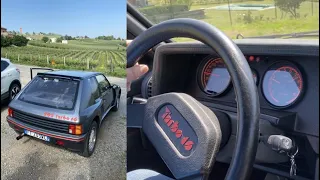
column 27, row 34
column 187, row 2
column 33, row 33
column 3, row 41
column 290, row 6
column 59, row 39
column 66, row 37
column 19, row 40
column 45, row 39
column 6, row 41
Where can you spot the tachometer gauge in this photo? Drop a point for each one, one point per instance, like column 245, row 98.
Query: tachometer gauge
column 214, row 77
column 282, row 84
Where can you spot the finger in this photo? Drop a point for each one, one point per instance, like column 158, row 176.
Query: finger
column 136, row 71
column 128, row 42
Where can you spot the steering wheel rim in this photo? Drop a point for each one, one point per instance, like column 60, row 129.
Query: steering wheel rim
column 248, row 107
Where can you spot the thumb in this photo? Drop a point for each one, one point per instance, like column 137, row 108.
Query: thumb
column 135, row 72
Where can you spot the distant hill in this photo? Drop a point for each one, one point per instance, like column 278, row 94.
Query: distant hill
column 39, row 37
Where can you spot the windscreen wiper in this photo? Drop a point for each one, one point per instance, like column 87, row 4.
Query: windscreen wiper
column 284, row 36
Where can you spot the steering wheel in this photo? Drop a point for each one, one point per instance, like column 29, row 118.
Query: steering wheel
column 185, row 133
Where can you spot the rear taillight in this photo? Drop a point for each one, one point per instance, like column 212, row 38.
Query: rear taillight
column 75, row 129
column 10, row 112
column 18, row 70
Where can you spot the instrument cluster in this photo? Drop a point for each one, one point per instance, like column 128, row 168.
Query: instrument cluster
column 281, row 83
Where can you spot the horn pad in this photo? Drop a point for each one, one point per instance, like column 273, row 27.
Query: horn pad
column 185, row 133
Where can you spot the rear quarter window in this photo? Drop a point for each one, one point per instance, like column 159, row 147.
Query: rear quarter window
column 4, row 65
column 51, row 92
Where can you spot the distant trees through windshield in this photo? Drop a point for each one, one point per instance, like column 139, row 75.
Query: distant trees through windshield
column 233, row 17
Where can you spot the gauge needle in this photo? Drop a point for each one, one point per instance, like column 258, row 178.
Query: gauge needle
column 276, row 81
column 293, row 79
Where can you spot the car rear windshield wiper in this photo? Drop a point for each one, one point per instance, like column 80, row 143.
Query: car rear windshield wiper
column 284, row 36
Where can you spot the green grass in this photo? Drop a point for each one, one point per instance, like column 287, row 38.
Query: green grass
column 76, row 55
column 269, row 25
column 96, row 44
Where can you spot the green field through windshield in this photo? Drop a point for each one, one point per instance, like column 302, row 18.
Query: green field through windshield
column 233, row 17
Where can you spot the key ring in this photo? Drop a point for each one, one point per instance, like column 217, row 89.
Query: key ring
column 293, row 155
column 293, row 168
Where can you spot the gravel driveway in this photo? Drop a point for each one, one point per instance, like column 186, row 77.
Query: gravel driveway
column 30, row 158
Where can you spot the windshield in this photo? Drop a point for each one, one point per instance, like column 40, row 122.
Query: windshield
column 51, row 92
column 241, row 18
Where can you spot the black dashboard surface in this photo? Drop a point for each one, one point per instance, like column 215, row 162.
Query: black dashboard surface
column 183, row 60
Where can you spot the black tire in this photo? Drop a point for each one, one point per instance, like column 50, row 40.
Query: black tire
column 87, row 152
column 116, row 106
column 14, row 89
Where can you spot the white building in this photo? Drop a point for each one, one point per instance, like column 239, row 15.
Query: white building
column 29, row 38
column 64, row 41
column 53, row 40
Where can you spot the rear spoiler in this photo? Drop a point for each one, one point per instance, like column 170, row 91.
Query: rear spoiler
column 31, row 69
column 58, row 76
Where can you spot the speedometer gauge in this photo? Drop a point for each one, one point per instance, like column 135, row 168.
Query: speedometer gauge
column 214, row 77
column 282, row 84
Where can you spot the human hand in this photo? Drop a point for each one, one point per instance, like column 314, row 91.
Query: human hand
column 135, row 71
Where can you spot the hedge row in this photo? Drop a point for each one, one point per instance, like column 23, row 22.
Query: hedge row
column 153, row 10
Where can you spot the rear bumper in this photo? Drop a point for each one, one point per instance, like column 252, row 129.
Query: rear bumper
column 72, row 142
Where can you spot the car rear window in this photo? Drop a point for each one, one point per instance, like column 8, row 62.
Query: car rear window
column 51, row 92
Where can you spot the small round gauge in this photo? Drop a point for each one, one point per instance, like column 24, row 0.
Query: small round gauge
column 282, row 84
column 214, row 77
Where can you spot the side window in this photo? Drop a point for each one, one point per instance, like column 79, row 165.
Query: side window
column 103, row 82
column 4, row 65
column 94, row 90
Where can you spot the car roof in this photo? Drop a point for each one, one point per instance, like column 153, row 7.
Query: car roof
column 5, row 59
column 76, row 74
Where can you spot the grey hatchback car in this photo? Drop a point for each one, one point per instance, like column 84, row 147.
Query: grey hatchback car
column 65, row 108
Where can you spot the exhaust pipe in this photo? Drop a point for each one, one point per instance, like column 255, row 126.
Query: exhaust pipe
column 20, row 136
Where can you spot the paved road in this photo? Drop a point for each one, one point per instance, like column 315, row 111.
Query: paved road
column 30, row 158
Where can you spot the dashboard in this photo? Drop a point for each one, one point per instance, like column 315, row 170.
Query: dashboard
column 286, row 73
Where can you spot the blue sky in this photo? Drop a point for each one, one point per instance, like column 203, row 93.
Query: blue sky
column 72, row 17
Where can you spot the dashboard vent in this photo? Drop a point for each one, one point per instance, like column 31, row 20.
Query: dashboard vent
column 149, row 88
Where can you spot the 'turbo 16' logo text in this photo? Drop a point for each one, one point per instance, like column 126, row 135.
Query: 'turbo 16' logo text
column 174, row 127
